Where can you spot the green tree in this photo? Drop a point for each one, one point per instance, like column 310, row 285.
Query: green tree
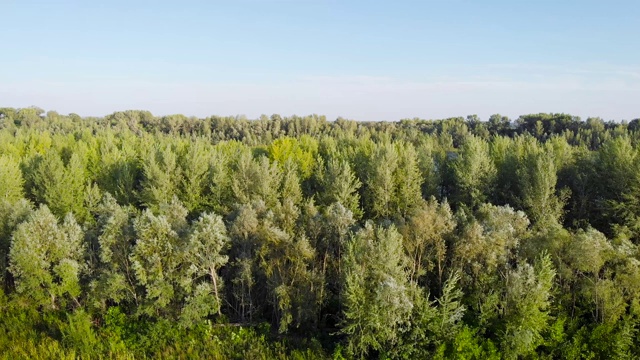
column 205, row 254
column 506, row 154
column 381, row 181
column 618, row 168
column 119, row 171
column 526, row 307
column 408, row 179
column 340, row 184
column 484, row 251
column 219, row 181
column 194, row 166
column 291, row 190
column 243, row 270
column 450, row 310
column 376, row 292
column 62, row 187
column 430, row 158
column 537, row 177
column 11, row 215
column 156, row 260
column 587, row 255
column 489, row 242
column 301, row 152
column 425, row 239
column 11, row 181
column 433, row 324
column 474, row 173
column 114, row 278
column 255, row 180
column 336, row 223
column 161, row 176
column 46, row 259
column 291, row 282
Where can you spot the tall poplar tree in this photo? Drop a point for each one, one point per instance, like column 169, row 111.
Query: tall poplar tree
column 474, row 173
column 376, row 291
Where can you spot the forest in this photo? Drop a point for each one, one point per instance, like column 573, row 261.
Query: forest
column 141, row 236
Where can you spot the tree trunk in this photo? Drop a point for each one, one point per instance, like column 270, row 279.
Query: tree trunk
column 214, row 280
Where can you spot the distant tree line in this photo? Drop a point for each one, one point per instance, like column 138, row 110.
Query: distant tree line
column 134, row 235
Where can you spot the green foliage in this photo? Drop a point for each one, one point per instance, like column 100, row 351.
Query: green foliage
column 161, row 176
column 425, row 240
column 394, row 181
column 195, row 174
column 11, row 215
column 156, row 261
column 450, row 309
column 527, row 302
column 377, row 292
column 474, row 173
column 255, row 180
column 408, row 179
column 302, row 152
column 114, row 275
column 618, row 169
column 537, row 177
column 381, row 184
column 10, row 180
column 46, row 259
column 225, row 238
column 205, row 252
column 61, row 187
column 339, row 184
column 119, row 170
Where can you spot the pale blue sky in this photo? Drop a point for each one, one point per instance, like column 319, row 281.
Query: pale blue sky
column 365, row 60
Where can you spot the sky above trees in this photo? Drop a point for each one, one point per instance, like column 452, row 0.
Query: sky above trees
column 366, row 60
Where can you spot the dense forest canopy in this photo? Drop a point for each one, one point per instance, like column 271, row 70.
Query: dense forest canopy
column 132, row 235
